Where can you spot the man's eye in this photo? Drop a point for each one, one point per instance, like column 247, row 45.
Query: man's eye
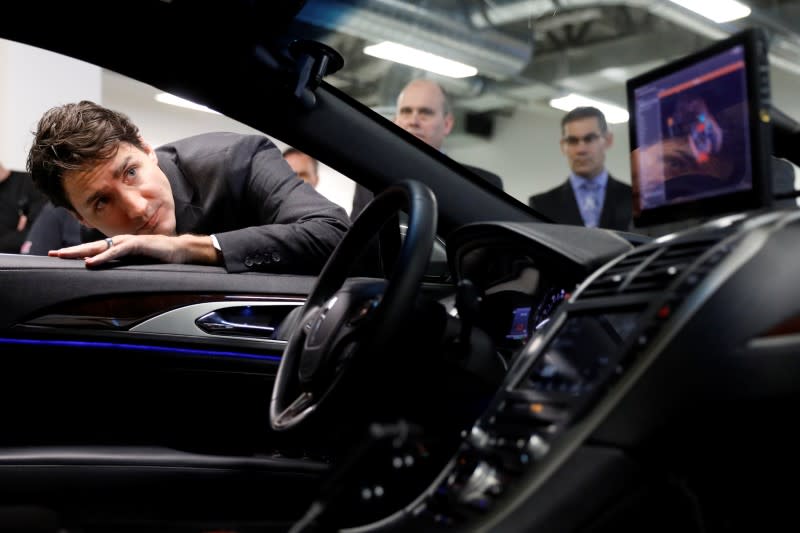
column 100, row 204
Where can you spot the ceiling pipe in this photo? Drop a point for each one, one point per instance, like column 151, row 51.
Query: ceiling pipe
column 784, row 51
column 438, row 32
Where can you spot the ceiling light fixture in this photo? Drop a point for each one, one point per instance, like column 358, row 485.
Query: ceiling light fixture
column 614, row 114
column 171, row 99
column 419, row 59
column 718, row 10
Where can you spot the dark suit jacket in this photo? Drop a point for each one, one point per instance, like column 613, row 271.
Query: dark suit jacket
column 240, row 188
column 560, row 205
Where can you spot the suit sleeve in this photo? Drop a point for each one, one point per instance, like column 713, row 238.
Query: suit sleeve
column 294, row 228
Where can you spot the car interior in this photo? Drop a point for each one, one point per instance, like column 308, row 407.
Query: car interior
column 484, row 370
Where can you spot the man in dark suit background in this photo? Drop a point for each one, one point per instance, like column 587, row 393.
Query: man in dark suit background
column 590, row 196
column 424, row 111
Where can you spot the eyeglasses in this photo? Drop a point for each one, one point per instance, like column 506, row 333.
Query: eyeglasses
column 587, row 139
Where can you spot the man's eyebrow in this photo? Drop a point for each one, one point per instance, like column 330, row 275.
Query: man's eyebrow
column 420, row 109
column 117, row 173
column 122, row 166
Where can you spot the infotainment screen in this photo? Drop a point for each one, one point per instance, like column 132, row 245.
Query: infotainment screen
column 585, row 349
column 699, row 133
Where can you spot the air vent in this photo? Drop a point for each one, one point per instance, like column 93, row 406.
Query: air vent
column 647, row 271
column 665, row 267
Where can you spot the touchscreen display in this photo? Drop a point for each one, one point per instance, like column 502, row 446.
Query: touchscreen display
column 692, row 133
column 584, row 348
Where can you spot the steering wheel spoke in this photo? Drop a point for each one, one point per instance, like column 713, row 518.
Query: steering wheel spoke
column 298, row 409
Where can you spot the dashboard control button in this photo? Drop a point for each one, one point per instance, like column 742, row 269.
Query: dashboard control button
column 482, row 484
column 537, row 446
column 535, row 411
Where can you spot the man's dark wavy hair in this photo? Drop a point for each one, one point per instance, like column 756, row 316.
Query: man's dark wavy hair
column 73, row 137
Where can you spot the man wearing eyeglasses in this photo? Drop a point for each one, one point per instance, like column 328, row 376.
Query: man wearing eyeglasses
column 590, row 197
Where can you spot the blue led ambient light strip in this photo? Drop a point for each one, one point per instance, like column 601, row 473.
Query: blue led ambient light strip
column 141, row 347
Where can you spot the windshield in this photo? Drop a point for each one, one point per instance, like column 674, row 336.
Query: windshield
column 488, row 82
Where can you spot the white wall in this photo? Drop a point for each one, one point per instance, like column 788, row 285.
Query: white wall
column 785, row 90
column 31, row 82
column 525, row 153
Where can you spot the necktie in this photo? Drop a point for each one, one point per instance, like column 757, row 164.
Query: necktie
column 591, row 204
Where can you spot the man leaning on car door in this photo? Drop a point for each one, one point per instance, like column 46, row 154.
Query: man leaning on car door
column 215, row 198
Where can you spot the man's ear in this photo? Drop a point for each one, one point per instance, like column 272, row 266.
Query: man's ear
column 609, row 139
column 449, row 120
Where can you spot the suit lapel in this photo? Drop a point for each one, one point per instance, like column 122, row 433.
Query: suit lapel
column 609, row 205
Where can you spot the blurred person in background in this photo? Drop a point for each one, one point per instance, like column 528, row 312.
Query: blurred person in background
column 590, row 197
column 305, row 166
column 20, row 204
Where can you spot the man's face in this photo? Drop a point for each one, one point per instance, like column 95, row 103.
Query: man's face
column 304, row 167
column 585, row 146
column 127, row 194
column 420, row 111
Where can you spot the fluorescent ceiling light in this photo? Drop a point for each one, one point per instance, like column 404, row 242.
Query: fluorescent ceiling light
column 171, row 99
column 614, row 114
column 716, row 10
column 419, row 59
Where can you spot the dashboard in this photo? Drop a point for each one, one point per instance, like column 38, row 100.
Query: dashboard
column 612, row 361
column 520, row 285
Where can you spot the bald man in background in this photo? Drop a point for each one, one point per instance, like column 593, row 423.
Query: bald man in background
column 424, row 111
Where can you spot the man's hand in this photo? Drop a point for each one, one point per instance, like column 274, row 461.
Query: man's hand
column 181, row 249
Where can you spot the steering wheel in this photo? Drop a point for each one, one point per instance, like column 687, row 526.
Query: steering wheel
column 341, row 323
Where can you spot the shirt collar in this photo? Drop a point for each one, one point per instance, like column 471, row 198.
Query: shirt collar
column 601, row 179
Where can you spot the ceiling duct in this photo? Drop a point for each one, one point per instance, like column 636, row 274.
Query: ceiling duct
column 783, row 53
column 438, row 32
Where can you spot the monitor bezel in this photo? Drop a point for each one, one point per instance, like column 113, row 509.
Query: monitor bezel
column 759, row 196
